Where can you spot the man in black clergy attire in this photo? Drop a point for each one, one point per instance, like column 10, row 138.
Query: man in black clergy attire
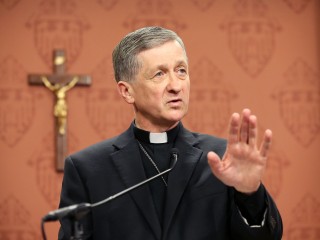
column 214, row 191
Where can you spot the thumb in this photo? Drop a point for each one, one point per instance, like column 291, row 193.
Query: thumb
column 214, row 162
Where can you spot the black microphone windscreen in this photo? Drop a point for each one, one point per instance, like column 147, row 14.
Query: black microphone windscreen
column 175, row 151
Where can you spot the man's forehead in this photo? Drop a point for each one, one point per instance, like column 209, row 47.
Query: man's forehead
column 161, row 55
column 168, row 44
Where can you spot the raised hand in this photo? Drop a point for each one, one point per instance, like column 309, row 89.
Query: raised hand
column 243, row 163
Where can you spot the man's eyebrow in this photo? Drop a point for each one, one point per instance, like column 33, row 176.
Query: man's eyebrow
column 161, row 66
column 182, row 62
column 164, row 66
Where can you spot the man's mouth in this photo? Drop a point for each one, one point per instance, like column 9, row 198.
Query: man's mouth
column 175, row 102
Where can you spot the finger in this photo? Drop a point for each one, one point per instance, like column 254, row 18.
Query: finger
column 266, row 143
column 244, row 129
column 234, row 128
column 253, row 131
column 214, row 162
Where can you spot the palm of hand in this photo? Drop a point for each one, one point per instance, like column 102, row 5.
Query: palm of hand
column 243, row 164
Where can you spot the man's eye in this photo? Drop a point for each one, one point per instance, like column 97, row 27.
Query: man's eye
column 158, row 74
column 182, row 71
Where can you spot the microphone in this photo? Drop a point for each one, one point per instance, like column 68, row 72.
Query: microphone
column 77, row 211
column 174, row 155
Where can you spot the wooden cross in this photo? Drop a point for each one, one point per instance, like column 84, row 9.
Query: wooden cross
column 59, row 83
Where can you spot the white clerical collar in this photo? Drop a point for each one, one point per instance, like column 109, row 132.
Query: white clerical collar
column 158, row 137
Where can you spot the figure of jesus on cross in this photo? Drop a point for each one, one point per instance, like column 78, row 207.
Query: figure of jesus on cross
column 59, row 83
column 60, row 108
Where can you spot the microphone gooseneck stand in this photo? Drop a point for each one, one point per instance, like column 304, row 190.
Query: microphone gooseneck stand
column 77, row 211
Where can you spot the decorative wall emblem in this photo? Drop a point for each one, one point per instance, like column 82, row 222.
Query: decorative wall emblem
column 306, row 220
column 108, row 113
column 15, row 221
column 210, row 99
column 203, row 5
column 297, row 6
column 107, row 4
column 57, row 26
column 16, row 102
column 9, row 4
column 298, row 100
column 276, row 164
column 154, row 13
column 47, row 178
column 251, row 35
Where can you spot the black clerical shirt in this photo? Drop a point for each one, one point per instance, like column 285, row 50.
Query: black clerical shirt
column 160, row 155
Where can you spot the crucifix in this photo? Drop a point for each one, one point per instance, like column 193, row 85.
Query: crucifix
column 59, row 83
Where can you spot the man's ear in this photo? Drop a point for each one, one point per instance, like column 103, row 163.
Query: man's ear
column 125, row 90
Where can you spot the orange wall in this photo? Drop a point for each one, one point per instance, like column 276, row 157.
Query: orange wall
column 264, row 55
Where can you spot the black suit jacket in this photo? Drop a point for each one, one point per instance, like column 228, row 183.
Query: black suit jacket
column 198, row 205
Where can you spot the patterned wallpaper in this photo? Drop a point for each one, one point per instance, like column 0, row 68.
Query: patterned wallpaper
column 262, row 54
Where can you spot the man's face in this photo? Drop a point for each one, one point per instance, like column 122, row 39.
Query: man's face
column 161, row 87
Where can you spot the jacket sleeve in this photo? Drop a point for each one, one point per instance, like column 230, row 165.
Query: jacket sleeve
column 270, row 226
column 252, row 207
column 73, row 192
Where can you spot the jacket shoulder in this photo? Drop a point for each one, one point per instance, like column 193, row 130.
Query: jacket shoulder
column 96, row 149
column 208, row 142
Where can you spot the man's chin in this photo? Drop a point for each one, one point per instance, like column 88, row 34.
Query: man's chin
column 176, row 116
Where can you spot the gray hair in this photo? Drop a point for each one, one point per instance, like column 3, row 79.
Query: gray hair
column 124, row 56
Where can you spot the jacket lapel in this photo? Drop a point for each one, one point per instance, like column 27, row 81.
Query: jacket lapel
column 130, row 168
column 179, row 177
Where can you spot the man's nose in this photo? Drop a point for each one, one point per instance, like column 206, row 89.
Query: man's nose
column 174, row 84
